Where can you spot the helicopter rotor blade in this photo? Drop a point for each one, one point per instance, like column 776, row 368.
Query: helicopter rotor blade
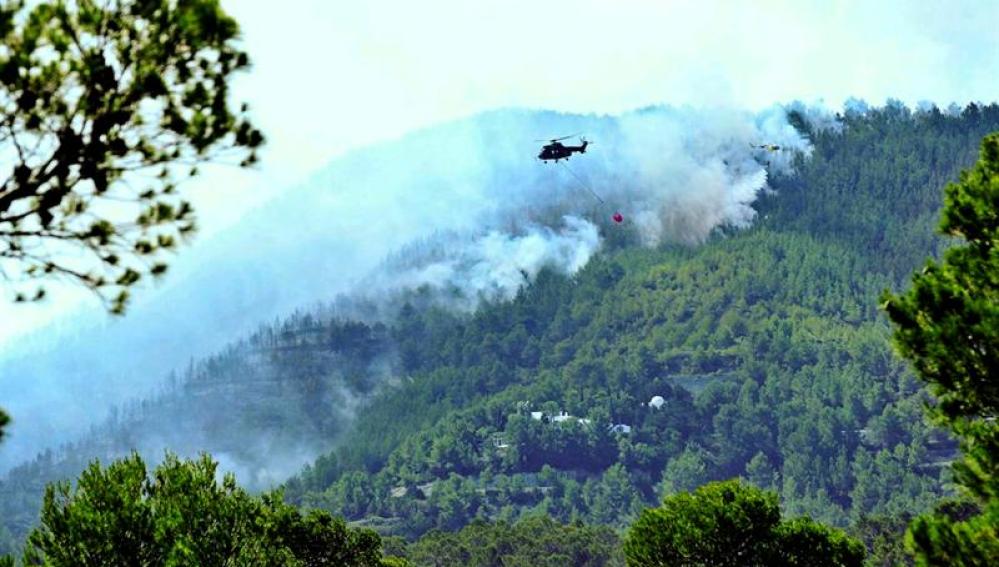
column 557, row 139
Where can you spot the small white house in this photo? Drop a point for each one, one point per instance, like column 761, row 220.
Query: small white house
column 562, row 416
column 537, row 415
column 619, row 428
column 656, row 402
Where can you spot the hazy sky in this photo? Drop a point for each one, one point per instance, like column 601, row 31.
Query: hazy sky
column 330, row 75
column 333, row 74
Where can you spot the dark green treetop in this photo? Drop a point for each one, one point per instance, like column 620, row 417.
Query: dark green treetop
column 181, row 515
column 731, row 523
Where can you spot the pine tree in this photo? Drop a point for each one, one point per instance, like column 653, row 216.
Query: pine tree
column 947, row 324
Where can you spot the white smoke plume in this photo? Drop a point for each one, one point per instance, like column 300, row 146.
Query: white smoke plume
column 817, row 117
column 676, row 175
column 494, row 266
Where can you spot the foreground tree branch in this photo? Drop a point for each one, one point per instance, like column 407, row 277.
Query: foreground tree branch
column 105, row 106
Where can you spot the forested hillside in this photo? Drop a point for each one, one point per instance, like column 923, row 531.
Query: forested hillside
column 760, row 354
column 262, row 406
column 765, row 346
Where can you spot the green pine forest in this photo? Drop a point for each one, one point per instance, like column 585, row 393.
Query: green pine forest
column 766, row 345
column 559, row 416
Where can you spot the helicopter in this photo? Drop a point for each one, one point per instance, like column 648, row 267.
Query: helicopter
column 555, row 150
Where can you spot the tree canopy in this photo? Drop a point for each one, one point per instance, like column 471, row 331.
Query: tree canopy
column 532, row 541
column 730, row 523
column 181, row 515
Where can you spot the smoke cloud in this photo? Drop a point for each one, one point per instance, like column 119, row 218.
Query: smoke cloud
column 491, row 267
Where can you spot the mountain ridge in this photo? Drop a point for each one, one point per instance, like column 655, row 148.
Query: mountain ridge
column 842, row 268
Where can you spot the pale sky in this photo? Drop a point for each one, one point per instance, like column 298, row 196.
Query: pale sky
column 334, row 74
column 331, row 75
